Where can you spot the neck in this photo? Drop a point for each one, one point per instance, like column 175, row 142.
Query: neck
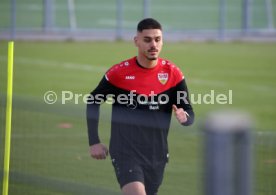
column 146, row 63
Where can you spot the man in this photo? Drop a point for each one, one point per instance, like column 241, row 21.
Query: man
column 144, row 90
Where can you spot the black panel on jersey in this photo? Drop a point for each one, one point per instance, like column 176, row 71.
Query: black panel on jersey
column 138, row 131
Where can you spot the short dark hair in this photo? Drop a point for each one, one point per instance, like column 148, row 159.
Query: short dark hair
column 148, row 23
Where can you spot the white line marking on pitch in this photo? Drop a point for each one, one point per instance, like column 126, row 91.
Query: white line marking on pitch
column 69, row 65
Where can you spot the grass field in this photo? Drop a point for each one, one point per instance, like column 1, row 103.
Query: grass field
column 49, row 142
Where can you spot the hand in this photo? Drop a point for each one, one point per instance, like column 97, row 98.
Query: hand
column 98, row 151
column 180, row 114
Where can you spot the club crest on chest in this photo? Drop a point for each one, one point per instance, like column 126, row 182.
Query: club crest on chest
column 163, row 77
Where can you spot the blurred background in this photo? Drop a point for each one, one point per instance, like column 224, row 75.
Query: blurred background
column 189, row 19
column 67, row 45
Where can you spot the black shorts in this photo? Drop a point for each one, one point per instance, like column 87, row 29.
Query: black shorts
column 129, row 171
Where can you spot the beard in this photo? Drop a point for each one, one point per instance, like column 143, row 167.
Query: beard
column 150, row 57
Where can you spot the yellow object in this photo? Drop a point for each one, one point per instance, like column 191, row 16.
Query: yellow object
column 8, row 120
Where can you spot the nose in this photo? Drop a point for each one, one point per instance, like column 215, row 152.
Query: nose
column 153, row 44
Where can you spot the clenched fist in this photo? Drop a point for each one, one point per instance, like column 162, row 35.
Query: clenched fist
column 98, row 151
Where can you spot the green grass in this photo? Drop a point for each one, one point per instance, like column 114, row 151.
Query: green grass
column 47, row 159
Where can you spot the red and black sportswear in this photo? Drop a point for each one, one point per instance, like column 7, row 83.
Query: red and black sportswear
column 140, row 122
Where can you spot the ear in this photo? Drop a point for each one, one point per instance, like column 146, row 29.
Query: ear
column 136, row 41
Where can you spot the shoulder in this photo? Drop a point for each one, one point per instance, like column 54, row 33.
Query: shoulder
column 174, row 70
column 119, row 69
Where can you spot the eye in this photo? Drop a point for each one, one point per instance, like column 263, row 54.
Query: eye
column 158, row 39
column 147, row 40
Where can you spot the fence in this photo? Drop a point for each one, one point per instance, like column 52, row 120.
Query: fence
column 218, row 19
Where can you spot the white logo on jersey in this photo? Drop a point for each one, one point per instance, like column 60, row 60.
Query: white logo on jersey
column 163, row 77
column 130, row 77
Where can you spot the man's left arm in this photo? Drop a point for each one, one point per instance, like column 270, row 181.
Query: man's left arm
column 182, row 107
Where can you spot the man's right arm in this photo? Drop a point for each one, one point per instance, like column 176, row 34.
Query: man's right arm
column 96, row 97
column 92, row 117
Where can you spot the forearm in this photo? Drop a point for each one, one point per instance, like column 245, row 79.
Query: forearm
column 185, row 103
column 92, row 116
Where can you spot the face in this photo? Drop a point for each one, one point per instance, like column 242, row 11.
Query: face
column 149, row 43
